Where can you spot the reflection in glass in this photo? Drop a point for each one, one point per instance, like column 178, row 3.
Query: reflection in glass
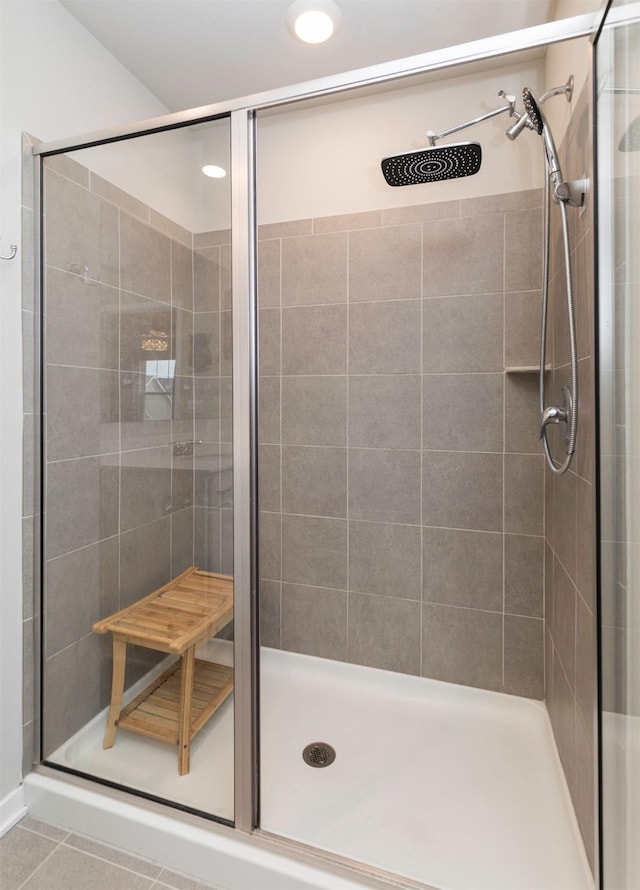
column 138, row 465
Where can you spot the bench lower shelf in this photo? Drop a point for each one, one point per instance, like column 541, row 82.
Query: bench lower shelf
column 156, row 711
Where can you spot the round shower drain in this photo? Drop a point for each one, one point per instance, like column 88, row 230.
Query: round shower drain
column 318, row 754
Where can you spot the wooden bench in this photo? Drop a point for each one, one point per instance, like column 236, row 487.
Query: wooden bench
column 174, row 619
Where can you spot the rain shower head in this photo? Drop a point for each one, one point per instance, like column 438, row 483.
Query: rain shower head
column 432, row 164
column 535, row 115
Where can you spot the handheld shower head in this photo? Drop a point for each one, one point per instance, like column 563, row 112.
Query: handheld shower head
column 432, row 164
column 533, row 110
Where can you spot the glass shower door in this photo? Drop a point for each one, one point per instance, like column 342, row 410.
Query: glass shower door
column 137, row 467
column 619, row 195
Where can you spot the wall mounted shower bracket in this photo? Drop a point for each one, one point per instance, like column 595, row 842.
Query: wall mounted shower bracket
column 510, row 107
column 573, row 192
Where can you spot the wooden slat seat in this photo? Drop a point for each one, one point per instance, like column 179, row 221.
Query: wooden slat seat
column 186, row 611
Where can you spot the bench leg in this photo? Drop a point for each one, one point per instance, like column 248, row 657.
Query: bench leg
column 117, row 688
column 184, row 727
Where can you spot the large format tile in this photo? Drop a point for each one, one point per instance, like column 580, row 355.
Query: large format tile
column 205, row 350
column 564, row 621
column 384, row 337
column 270, row 544
column 462, row 490
column 562, row 712
column 385, row 263
column 314, row 480
column 384, row 632
column 145, row 486
column 269, row 273
column 522, row 320
column 269, row 341
column 521, row 413
column 385, row 559
column 144, row 560
column 523, row 249
column 462, row 646
column 81, row 588
column 145, row 259
column 314, row 269
column 384, row 411
column 314, row 411
column 384, row 485
column 207, row 539
column 314, row 621
column 564, row 521
column 69, row 869
column 181, row 540
column 72, row 694
column 586, row 542
column 269, row 409
column 117, row 857
column 269, row 485
column 314, row 340
column 314, row 551
column 206, row 280
column 584, row 787
column 182, row 260
column 524, row 575
column 463, row 256
column 462, row 334
column 523, row 493
column 462, row 412
column 21, row 853
column 82, row 231
column 82, row 502
column 82, row 408
column 586, row 668
column 269, row 593
column 462, row 568
column 524, row 656
column 81, row 319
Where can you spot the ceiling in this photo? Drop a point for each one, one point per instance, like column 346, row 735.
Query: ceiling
column 195, row 52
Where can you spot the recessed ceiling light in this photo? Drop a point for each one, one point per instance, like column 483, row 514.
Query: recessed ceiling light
column 313, row 21
column 214, row 171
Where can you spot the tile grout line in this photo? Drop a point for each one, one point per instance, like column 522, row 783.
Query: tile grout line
column 46, row 859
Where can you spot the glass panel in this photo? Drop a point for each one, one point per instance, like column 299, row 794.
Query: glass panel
column 401, row 484
column 619, row 222
column 138, row 459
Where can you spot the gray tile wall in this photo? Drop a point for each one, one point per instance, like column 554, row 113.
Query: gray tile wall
column 125, row 511
column 400, row 480
column 570, row 540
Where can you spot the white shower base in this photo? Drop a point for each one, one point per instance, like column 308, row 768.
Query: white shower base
column 455, row 787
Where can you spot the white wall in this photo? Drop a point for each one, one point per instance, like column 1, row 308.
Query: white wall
column 55, row 80
column 318, row 160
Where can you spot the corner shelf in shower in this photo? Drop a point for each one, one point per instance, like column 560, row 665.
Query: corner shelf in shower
column 187, row 611
column 526, row 369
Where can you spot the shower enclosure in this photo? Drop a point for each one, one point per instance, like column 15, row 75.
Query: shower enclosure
column 327, row 388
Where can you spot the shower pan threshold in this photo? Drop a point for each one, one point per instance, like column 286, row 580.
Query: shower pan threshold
column 461, row 787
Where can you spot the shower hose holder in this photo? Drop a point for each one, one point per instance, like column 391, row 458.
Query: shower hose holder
column 573, row 192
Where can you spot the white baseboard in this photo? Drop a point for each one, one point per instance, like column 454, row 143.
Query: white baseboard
column 12, row 808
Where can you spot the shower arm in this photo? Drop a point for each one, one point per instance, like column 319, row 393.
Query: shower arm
column 510, row 107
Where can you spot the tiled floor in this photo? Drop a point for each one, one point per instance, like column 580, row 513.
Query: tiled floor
column 38, row 856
